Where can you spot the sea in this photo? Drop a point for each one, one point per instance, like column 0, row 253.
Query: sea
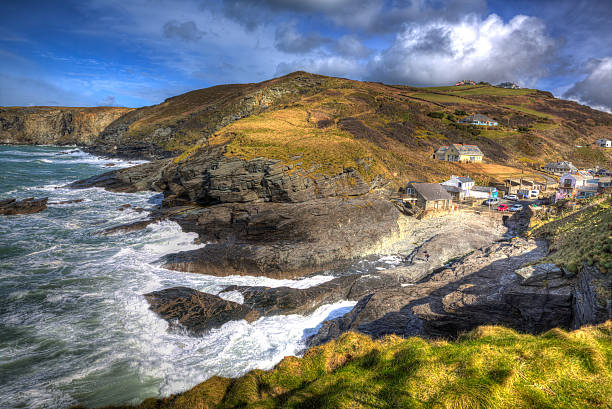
column 75, row 328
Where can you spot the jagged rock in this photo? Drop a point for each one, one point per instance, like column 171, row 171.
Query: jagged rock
column 285, row 240
column 130, row 227
column 481, row 289
column 286, row 300
column 55, row 125
column 538, row 273
column 196, row 311
column 592, row 297
column 24, row 206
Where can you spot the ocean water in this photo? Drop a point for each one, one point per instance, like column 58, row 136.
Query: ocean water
column 74, row 326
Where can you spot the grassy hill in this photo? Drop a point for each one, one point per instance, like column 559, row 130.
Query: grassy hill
column 323, row 124
column 579, row 234
column 489, row 367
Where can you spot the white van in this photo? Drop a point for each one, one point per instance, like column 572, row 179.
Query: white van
column 534, row 193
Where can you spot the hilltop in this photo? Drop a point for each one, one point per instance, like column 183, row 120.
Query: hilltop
column 304, row 119
column 329, row 124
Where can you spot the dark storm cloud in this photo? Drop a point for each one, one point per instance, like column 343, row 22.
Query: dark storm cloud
column 373, row 16
column 289, row 40
column 187, row 31
column 596, row 89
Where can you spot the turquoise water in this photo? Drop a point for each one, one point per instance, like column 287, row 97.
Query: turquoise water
column 74, row 327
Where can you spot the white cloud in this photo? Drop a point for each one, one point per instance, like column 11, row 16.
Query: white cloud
column 596, row 89
column 440, row 52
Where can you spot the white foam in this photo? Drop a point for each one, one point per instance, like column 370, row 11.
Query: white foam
column 84, row 294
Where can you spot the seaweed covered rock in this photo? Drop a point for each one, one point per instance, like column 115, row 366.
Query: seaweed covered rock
column 24, row 206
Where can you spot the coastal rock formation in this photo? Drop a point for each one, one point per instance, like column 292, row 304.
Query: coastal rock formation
column 592, row 297
column 260, row 218
column 196, row 311
column 285, row 240
column 55, row 125
column 486, row 287
column 24, row 206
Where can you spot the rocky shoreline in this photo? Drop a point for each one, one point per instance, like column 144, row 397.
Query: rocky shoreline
column 259, row 218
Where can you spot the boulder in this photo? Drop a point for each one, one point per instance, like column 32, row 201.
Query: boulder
column 195, row 311
column 24, row 206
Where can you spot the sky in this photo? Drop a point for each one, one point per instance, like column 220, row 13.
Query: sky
column 139, row 52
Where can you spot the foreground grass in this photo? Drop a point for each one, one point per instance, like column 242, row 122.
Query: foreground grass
column 579, row 234
column 490, row 367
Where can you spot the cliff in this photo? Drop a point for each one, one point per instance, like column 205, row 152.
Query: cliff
column 55, row 125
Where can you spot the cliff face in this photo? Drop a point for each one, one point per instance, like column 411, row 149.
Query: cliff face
column 55, row 125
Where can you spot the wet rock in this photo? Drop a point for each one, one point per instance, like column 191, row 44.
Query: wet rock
column 24, row 206
column 130, row 227
column 124, row 206
column 483, row 288
column 66, row 202
column 285, row 240
column 286, row 300
column 196, row 311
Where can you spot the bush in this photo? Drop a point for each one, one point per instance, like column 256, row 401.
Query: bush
column 450, row 117
column 435, row 114
column 460, row 113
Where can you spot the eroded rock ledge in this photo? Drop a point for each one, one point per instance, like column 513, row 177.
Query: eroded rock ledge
column 489, row 286
column 260, row 217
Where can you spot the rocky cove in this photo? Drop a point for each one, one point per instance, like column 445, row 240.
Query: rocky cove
column 260, row 218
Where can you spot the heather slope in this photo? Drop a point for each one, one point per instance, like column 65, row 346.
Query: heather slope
column 321, row 125
column 489, row 367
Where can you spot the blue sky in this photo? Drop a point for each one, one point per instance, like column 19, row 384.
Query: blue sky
column 139, row 52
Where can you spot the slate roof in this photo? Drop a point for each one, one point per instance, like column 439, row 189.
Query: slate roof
column 467, row 149
column 431, row 191
column 443, row 148
column 465, row 179
column 450, row 188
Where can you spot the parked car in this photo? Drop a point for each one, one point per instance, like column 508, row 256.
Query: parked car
column 516, row 208
column 511, row 197
column 502, row 207
column 491, row 201
column 534, row 193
